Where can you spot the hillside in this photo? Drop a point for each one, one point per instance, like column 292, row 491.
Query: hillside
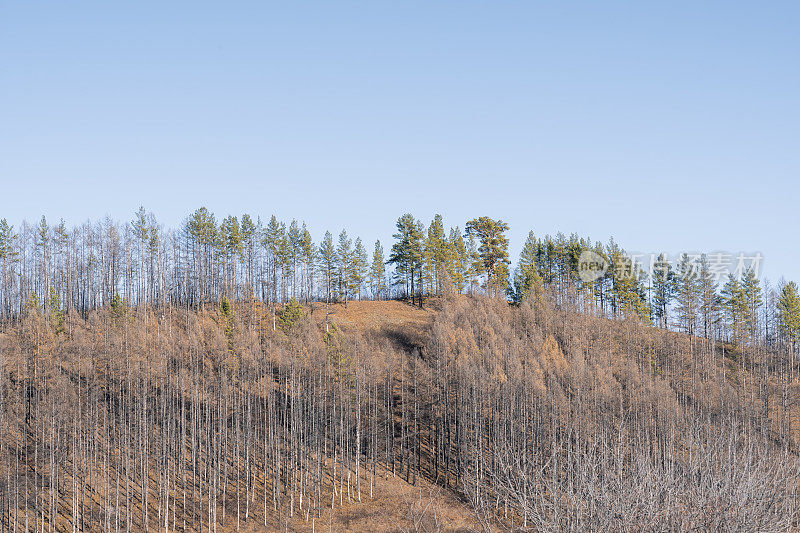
column 406, row 325
column 467, row 415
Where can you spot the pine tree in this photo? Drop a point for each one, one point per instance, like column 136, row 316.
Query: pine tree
column 436, row 254
column 493, row 250
column 627, row 290
column 599, row 285
column 459, row 260
column 663, row 289
column 295, row 245
column 231, row 250
column 406, row 253
column 8, row 256
column 709, row 301
column 789, row 313
column 359, row 267
column 344, row 267
column 43, row 247
column 475, row 266
column 735, row 305
column 272, row 244
column 548, row 260
column 250, row 237
column 377, row 271
column 575, row 248
column 139, row 226
column 526, row 276
column 327, row 265
column 688, row 294
column 307, row 250
column 202, row 233
column 751, row 290
column 284, row 261
column 64, row 269
column 157, row 286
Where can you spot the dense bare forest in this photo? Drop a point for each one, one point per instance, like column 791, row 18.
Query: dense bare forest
column 207, row 379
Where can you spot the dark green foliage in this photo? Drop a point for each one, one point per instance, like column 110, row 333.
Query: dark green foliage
column 407, row 252
column 527, row 280
column 789, row 312
column 664, row 286
column 291, row 314
column 493, row 249
column 119, row 309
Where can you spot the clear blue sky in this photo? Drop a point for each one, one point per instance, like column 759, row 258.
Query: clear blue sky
column 668, row 125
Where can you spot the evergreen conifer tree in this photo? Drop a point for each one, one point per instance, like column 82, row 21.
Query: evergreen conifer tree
column 663, row 289
column 688, row 294
column 735, row 306
column 709, row 301
column 295, row 243
column 526, row 275
column 493, row 250
column 8, row 257
column 249, row 232
column 327, row 265
column 789, row 314
column 359, row 267
column 377, row 271
column 751, row 290
column 308, row 255
column 272, row 244
column 407, row 253
column 436, row 254
column 344, row 267
column 459, row 260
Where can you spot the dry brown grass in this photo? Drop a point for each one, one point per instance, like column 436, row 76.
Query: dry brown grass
column 390, row 510
column 404, row 324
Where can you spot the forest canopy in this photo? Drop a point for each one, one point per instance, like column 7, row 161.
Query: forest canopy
column 232, row 374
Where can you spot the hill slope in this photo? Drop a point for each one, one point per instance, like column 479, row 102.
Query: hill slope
column 469, row 414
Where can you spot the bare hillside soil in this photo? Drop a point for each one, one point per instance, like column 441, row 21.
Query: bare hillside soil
column 404, row 324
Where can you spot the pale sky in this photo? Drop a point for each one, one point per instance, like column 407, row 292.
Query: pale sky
column 670, row 126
